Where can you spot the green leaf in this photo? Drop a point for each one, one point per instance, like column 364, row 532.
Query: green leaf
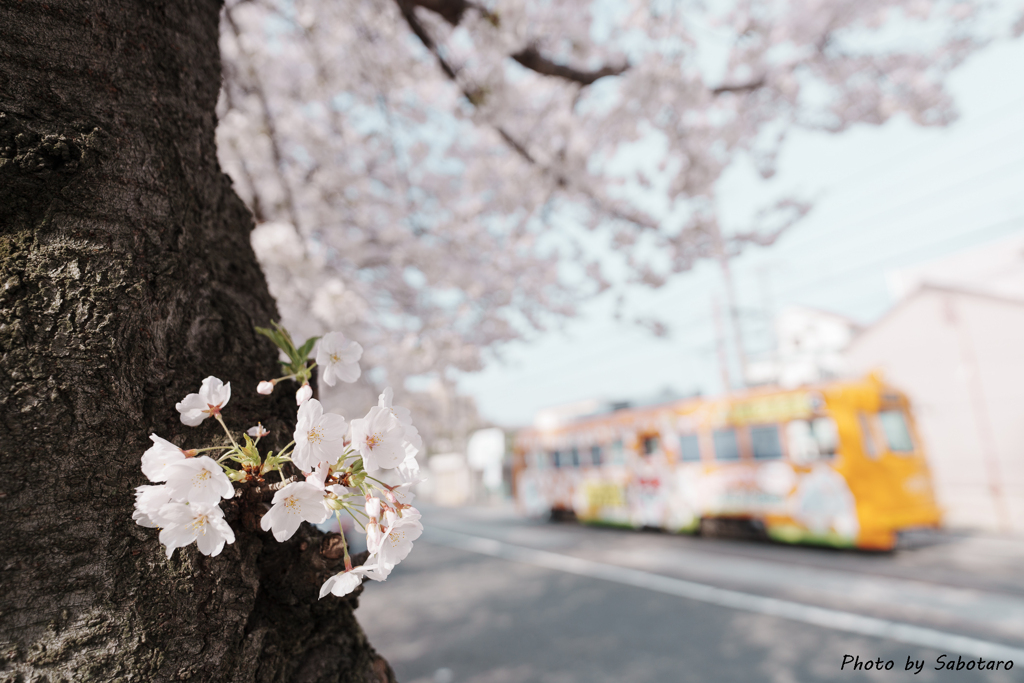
column 307, row 347
column 274, row 336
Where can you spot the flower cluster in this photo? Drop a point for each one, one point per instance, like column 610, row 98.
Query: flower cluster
column 365, row 469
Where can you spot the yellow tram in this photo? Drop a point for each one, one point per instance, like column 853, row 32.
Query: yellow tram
column 839, row 464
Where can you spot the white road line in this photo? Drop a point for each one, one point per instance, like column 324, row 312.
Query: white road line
column 747, row 602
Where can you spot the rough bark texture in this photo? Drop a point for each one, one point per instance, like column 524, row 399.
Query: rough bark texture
column 126, row 277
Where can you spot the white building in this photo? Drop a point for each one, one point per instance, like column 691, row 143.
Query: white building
column 809, row 348
column 954, row 342
column 994, row 268
column 959, row 355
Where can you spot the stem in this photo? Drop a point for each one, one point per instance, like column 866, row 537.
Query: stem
column 361, row 525
column 344, row 542
column 212, row 448
column 226, row 430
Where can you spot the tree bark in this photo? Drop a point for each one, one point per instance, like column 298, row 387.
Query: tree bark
column 126, row 277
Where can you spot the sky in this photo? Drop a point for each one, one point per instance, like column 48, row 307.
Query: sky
column 886, row 197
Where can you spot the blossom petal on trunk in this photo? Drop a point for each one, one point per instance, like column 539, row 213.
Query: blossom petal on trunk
column 344, row 583
column 319, row 437
column 199, row 480
column 192, row 409
column 297, row 502
column 195, row 522
column 157, row 458
column 216, row 533
column 148, row 502
column 215, row 392
column 213, row 395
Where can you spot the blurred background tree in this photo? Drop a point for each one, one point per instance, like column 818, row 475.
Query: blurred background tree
column 437, row 177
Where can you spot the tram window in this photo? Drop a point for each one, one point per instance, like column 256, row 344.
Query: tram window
column 803, row 447
column 812, row 439
column 765, row 442
column 726, row 446
column 556, row 459
column 574, row 454
column 618, row 453
column 651, row 444
column 689, row 448
column 827, row 435
column 595, row 456
column 897, row 433
column 867, row 437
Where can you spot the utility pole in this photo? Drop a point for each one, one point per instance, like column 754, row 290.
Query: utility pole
column 768, row 308
column 734, row 313
column 723, row 356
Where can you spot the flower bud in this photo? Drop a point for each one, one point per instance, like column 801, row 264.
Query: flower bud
column 258, row 431
column 265, row 388
column 374, row 537
column 373, row 507
column 303, row 394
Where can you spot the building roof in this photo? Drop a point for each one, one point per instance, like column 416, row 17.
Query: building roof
column 930, row 288
column 996, row 267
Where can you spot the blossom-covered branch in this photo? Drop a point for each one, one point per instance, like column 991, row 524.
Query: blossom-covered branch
column 449, row 161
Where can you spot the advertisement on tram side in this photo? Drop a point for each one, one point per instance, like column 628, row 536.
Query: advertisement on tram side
column 838, row 465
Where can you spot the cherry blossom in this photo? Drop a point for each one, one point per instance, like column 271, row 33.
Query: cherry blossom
column 212, row 397
column 402, row 414
column 197, row 522
column 148, row 502
column 402, row 494
column 319, row 436
column 379, row 438
column 344, row 583
column 413, row 442
column 294, row 503
column 199, row 480
column 158, row 457
column 266, row 388
column 372, row 507
column 318, row 477
column 257, row 432
column 338, row 358
column 395, row 543
column 304, row 393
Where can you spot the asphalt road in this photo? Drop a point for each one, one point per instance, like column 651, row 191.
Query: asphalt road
column 488, row 597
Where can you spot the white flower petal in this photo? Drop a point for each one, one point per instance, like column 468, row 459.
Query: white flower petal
column 158, row 456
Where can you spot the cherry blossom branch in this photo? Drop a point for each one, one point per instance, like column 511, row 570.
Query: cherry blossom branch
column 740, row 87
column 531, row 58
column 268, row 122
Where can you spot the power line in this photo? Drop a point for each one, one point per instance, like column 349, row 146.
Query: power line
column 703, row 320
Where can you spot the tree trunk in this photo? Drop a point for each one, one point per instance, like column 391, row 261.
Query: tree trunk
column 126, row 277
